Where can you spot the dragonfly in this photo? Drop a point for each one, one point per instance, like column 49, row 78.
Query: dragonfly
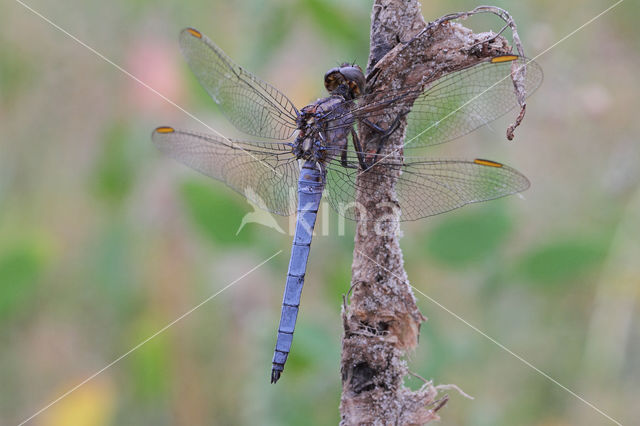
column 300, row 154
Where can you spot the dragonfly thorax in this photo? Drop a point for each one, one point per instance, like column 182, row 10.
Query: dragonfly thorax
column 309, row 142
column 324, row 124
column 322, row 129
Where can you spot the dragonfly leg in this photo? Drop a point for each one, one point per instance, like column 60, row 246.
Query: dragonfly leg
column 383, row 134
column 373, row 125
column 372, row 76
column 358, row 148
column 345, row 162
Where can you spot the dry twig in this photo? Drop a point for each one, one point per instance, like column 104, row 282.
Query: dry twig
column 382, row 322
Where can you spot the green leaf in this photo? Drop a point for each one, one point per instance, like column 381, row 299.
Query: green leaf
column 313, row 348
column 274, row 22
column 337, row 274
column 20, row 269
column 150, row 362
column 561, row 261
column 464, row 238
column 334, row 19
column 15, row 73
column 115, row 170
column 215, row 212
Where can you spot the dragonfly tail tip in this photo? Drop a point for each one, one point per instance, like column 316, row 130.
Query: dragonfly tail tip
column 275, row 375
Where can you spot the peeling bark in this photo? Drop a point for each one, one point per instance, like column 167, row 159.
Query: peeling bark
column 382, row 321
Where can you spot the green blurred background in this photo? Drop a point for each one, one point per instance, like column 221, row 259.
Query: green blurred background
column 103, row 241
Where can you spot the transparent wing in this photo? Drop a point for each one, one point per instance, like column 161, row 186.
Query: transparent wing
column 428, row 187
column 264, row 172
column 465, row 100
column 250, row 104
column 457, row 103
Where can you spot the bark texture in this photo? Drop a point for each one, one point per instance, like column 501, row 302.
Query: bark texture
column 382, row 321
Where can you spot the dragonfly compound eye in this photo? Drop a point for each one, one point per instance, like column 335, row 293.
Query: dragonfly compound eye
column 333, row 79
column 347, row 75
column 354, row 77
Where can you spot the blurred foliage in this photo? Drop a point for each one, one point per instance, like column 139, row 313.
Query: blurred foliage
column 20, row 268
column 116, row 166
column 469, row 237
column 338, row 274
column 150, row 363
column 561, row 261
column 103, row 241
column 202, row 201
column 15, row 72
column 340, row 21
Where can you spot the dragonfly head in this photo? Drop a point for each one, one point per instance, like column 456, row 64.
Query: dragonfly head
column 346, row 80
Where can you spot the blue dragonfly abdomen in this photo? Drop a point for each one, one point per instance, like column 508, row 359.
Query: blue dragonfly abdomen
column 310, row 187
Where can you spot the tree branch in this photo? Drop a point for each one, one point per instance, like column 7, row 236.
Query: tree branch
column 382, row 321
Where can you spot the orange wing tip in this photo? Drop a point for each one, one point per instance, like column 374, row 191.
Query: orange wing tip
column 165, row 129
column 194, row 32
column 504, row 58
column 487, row 163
